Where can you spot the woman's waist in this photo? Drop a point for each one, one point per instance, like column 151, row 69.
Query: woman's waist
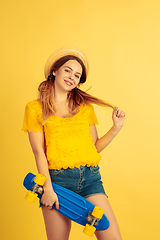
column 65, row 163
column 71, row 149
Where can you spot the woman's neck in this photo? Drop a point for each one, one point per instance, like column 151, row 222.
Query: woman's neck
column 60, row 96
column 61, row 103
column 62, row 109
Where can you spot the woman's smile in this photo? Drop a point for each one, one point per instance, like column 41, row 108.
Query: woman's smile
column 68, row 83
column 70, row 74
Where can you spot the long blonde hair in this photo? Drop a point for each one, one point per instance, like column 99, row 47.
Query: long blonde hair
column 76, row 97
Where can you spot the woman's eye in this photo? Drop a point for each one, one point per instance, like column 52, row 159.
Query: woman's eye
column 77, row 76
column 67, row 70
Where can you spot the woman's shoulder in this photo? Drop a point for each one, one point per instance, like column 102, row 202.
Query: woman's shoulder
column 34, row 104
column 86, row 109
column 34, row 107
column 87, row 106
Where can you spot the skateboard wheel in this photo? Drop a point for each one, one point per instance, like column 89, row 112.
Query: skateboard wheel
column 98, row 212
column 40, row 179
column 31, row 196
column 89, row 230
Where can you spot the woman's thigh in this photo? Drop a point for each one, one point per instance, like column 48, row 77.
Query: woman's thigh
column 113, row 232
column 57, row 226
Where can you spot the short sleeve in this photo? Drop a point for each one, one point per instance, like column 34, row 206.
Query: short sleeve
column 31, row 121
column 92, row 117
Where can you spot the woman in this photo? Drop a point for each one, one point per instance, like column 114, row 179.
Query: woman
column 65, row 143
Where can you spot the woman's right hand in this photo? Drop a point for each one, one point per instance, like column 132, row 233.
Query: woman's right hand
column 37, row 142
column 49, row 198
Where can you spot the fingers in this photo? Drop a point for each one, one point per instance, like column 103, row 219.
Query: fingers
column 49, row 207
column 57, row 204
column 119, row 113
column 49, row 204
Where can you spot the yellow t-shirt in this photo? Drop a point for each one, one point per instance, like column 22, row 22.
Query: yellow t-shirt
column 68, row 140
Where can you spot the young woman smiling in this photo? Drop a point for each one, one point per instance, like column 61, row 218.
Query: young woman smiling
column 63, row 136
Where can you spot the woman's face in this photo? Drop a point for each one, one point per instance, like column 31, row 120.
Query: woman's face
column 67, row 77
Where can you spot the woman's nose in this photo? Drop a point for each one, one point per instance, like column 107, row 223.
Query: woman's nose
column 71, row 76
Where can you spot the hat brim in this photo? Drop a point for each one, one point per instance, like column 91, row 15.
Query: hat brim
column 62, row 53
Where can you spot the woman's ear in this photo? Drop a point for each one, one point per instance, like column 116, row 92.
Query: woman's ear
column 54, row 73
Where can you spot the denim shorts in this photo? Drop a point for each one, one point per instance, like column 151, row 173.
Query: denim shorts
column 85, row 181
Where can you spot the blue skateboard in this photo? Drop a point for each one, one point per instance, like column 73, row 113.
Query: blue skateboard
column 71, row 205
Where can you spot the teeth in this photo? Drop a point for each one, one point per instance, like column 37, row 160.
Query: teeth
column 68, row 83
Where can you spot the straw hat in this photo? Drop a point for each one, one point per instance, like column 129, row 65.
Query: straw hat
column 64, row 52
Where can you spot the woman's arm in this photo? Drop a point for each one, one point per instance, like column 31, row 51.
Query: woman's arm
column 38, row 147
column 118, row 120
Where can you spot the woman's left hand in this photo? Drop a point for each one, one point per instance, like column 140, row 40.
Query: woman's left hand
column 118, row 117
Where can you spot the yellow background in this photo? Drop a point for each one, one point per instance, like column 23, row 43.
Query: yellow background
column 122, row 42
